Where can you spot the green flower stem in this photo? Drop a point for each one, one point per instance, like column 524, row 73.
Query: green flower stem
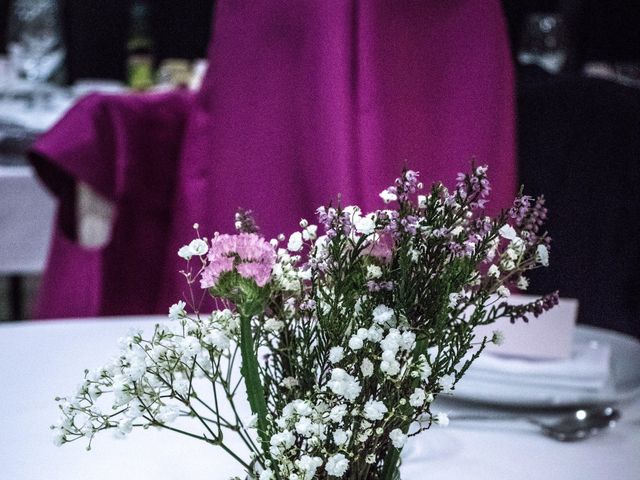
column 251, row 375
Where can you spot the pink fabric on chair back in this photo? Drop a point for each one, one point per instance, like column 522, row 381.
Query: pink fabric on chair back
column 304, row 101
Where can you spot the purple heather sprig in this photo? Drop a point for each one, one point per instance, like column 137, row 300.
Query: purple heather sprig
column 474, row 188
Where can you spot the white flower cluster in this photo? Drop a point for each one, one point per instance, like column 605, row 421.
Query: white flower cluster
column 314, row 434
column 285, row 274
column 150, row 382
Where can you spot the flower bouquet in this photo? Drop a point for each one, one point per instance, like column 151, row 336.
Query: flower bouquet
column 344, row 340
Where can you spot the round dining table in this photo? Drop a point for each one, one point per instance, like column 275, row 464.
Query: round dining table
column 44, row 359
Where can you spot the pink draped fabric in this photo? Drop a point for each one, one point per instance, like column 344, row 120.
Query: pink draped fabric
column 302, row 101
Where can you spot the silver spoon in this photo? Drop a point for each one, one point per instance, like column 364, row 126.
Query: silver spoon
column 578, row 425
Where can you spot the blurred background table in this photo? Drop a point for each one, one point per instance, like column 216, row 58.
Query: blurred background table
column 40, row 360
column 27, row 208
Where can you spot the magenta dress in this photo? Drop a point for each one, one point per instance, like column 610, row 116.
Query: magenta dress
column 302, row 101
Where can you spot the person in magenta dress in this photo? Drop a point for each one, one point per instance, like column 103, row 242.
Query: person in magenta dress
column 302, row 101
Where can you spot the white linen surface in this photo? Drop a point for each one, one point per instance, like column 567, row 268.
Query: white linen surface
column 588, row 368
column 39, row 360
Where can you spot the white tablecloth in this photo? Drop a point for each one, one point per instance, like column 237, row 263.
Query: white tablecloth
column 26, row 219
column 39, row 360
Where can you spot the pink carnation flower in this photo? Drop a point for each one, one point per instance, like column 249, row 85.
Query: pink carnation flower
column 251, row 255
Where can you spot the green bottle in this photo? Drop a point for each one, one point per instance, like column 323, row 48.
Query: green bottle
column 140, row 59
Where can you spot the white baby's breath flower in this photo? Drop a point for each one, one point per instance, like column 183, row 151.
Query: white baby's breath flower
column 408, row 341
column 304, row 426
column 542, row 255
column 198, row 247
column 373, row 271
column 340, row 437
column 497, row 337
column 167, row 414
column 389, row 356
column 336, row 354
column 308, row 465
column 285, row 438
column 391, row 368
column 366, row 367
column 304, row 274
column 218, row 340
column 290, row 382
column 392, row 341
column 362, row 334
column 344, row 385
column 523, row 283
column 273, row 325
column 125, row 426
column 310, row 232
column 302, row 407
column 181, row 386
column 58, row 437
column 295, row 242
column 337, row 465
column 383, row 315
column 176, row 311
column 337, row 413
column 511, row 254
column 508, row 232
column 375, row 334
column 365, row 224
column 518, row 246
column 266, row 474
column 441, row 419
column 493, row 271
column 398, row 439
column 374, row 410
column 355, row 343
column 454, row 298
column 507, row 264
column 351, row 210
column 417, row 398
column 185, row 252
column 503, row 291
column 388, row 197
column 189, row 347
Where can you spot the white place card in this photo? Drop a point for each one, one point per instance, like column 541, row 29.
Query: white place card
column 548, row 336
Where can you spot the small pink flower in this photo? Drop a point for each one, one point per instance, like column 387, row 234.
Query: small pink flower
column 249, row 253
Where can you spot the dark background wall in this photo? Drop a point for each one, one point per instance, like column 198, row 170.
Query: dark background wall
column 96, row 32
column 599, row 29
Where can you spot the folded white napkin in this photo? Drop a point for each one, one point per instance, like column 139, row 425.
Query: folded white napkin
column 588, row 368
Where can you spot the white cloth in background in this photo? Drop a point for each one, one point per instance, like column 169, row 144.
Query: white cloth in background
column 26, row 220
column 587, row 368
column 95, row 217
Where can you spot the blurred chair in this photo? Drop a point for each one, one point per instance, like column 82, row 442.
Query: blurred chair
column 302, row 101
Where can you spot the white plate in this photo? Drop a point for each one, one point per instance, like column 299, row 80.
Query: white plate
column 624, row 381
